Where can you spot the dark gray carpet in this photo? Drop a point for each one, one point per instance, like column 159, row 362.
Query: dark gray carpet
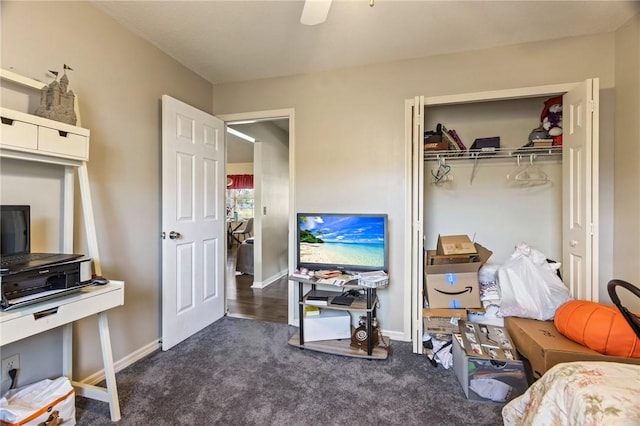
column 243, row 372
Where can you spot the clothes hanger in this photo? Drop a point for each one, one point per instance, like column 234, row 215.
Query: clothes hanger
column 532, row 174
column 519, row 167
column 441, row 174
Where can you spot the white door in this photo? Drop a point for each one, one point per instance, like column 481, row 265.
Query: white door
column 193, row 220
column 580, row 190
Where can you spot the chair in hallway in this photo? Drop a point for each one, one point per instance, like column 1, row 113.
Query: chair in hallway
column 244, row 257
column 245, row 232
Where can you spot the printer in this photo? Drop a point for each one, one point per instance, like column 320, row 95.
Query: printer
column 45, row 282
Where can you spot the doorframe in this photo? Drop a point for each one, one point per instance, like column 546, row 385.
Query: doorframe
column 265, row 115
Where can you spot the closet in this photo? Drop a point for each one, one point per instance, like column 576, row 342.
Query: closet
column 547, row 197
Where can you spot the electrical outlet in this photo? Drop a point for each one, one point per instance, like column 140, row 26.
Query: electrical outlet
column 9, row 364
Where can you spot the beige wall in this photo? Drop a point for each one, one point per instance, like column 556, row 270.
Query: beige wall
column 119, row 79
column 350, row 151
column 627, row 158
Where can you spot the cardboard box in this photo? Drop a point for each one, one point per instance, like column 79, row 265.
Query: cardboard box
column 330, row 324
column 455, row 244
column 442, row 321
column 455, row 285
column 544, row 346
column 486, row 379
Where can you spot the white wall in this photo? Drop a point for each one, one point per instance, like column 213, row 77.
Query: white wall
column 119, row 79
column 350, row 154
column 627, row 158
column 271, row 180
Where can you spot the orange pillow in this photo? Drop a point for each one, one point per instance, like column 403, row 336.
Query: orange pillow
column 597, row 326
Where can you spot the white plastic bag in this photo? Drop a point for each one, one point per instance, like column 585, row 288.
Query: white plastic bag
column 35, row 403
column 530, row 286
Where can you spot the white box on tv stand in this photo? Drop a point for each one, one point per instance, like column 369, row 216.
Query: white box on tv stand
column 329, row 325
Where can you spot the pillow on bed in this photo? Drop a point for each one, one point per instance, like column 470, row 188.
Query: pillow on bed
column 597, row 326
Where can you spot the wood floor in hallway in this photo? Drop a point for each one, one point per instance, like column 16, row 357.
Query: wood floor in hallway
column 265, row 304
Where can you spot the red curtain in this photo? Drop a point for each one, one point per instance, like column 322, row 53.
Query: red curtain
column 239, row 181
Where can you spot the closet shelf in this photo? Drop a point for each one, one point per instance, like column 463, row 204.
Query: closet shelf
column 498, row 153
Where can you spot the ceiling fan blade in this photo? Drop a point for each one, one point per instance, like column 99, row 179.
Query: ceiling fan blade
column 315, row 12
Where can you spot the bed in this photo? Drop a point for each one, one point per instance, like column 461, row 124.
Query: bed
column 580, row 393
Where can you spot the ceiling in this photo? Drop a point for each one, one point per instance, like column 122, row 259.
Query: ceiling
column 237, row 40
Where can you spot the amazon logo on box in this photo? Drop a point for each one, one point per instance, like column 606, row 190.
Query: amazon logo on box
column 454, row 285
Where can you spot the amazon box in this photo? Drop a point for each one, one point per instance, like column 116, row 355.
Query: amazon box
column 544, row 346
column 454, row 285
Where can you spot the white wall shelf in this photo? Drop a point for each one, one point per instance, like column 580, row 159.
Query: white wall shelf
column 555, row 151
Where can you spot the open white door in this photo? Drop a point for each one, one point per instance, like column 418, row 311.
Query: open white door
column 193, row 220
column 580, row 190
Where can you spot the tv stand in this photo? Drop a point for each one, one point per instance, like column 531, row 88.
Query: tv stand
column 341, row 346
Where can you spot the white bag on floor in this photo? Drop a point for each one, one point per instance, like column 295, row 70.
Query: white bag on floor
column 35, row 403
column 530, row 286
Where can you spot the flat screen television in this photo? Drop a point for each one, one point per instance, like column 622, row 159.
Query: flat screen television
column 342, row 241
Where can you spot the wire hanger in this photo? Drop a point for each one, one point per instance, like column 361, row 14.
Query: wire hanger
column 441, row 174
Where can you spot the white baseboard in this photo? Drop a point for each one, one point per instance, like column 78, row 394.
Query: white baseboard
column 396, row 335
column 123, row 363
column 270, row 280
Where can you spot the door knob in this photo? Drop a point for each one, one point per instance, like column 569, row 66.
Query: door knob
column 173, row 235
column 573, row 243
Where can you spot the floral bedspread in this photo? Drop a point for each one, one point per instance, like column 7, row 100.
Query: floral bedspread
column 580, row 393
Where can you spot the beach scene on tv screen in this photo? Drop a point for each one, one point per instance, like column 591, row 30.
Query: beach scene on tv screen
column 342, row 240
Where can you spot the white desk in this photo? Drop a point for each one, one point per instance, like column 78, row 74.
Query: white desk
column 62, row 312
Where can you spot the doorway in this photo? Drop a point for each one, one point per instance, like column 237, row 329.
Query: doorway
column 260, row 146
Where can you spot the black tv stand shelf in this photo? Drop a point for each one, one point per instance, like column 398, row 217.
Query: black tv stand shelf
column 364, row 305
